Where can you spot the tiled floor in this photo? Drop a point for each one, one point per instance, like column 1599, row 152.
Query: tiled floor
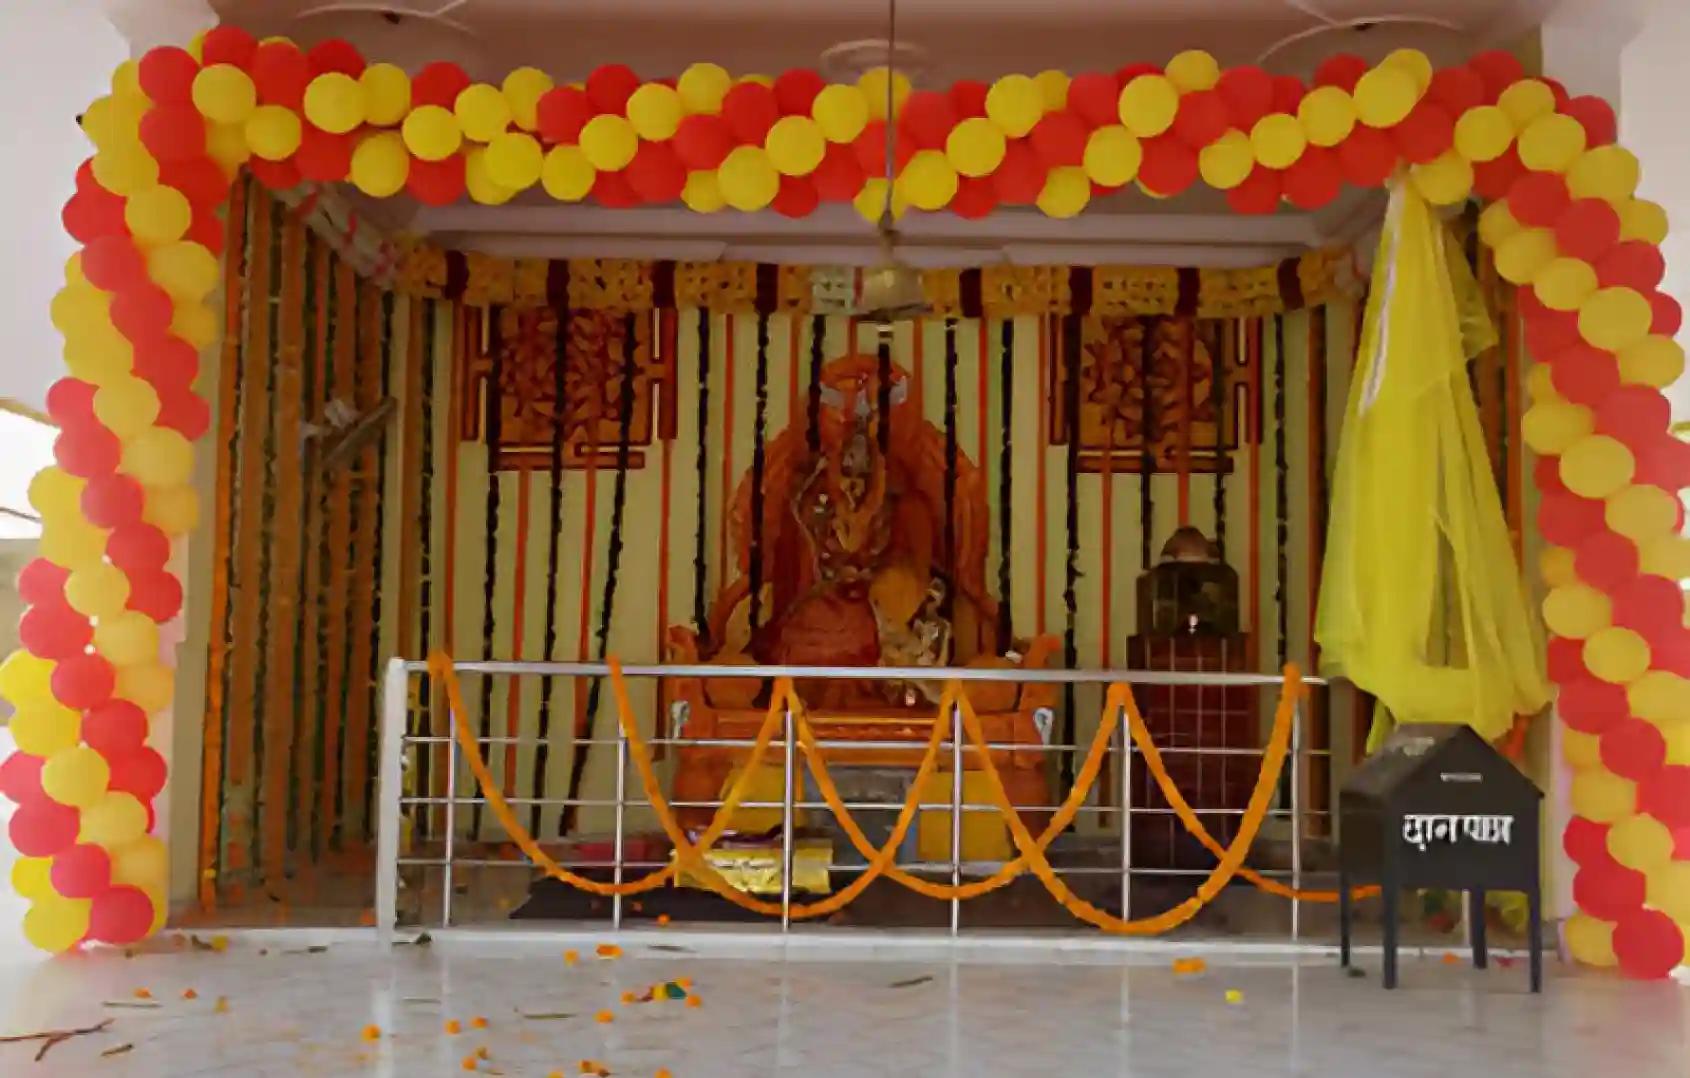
column 821, row 1010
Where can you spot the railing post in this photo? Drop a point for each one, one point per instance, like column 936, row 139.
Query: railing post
column 1126, row 820
column 620, row 830
column 786, row 826
column 1296, row 812
column 389, row 790
column 451, row 817
column 956, row 815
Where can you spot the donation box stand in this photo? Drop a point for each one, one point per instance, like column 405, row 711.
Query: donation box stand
column 1437, row 806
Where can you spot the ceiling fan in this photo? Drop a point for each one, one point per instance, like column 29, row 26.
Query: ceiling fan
column 892, row 289
column 1329, row 24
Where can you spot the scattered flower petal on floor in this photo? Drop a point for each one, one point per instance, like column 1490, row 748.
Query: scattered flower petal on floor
column 604, row 1017
column 372, row 1033
column 453, row 1027
column 1233, row 995
column 478, row 1022
column 609, row 950
column 189, row 993
column 571, row 957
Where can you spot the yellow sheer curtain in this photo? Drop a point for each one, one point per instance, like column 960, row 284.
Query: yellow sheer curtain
column 1421, row 601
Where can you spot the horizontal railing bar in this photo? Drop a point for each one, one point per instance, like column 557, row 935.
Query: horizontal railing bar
column 853, row 806
column 972, row 867
column 867, row 673
column 740, row 742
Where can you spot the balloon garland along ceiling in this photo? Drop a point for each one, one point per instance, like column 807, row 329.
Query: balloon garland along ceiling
column 180, row 123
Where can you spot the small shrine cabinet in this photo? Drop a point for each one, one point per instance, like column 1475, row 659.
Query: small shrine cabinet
column 1437, row 806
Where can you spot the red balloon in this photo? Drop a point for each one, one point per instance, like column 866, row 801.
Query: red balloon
column 198, row 178
column 113, row 263
column 749, row 110
column 1606, row 560
column 120, row 916
column 82, row 871
column 796, row 90
column 1343, row 70
column 1457, row 89
column 1493, row 179
column 1648, row 943
column 439, row 83
column 1596, row 116
column 1059, row 139
column 87, row 450
column 207, row 231
column 156, row 592
column 1202, row 118
column 796, row 198
column 1133, row 70
column 610, row 85
column 1665, row 795
column 323, row 157
column 1169, row 166
column 55, row 631
column 1591, row 706
column 1653, row 606
column 1288, row 93
column 839, row 177
column 1566, row 660
column 280, row 72
column 173, row 132
column 111, row 500
column 564, row 111
column 1633, row 264
column 40, row 581
column 436, row 183
column 83, row 681
column 229, row 45
column 1425, row 133
column 1588, row 228
column 968, row 98
column 1248, row 92
column 1664, row 463
column 1549, row 331
column 1567, row 519
column 703, row 141
column 276, row 175
column 1585, row 841
column 135, row 547
column 184, row 411
column 335, row 56
column 1095, row 98
column 871, row 151
column 1259, row 193
column 167, row 75
column 115, row 729
column 92, row 214
column 1020, row 176
column 975, row 197
column 140, row 773
column 1498, row 69
column 1606, row 889
column 1668, row 315
column 1559, row 90
column 1634, row 414
column 20, row 779
column 1583, row 373
column 70, row 401
column 1314, row 179
column 927, row 118
column 166, row 360
column 1633, row 749
column 143, row 311
column 44, row 828
column 656, row 173
column 1538, row 199
column 1368, row 156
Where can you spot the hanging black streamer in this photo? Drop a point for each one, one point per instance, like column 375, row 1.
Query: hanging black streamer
column 1147, row 433
column 425, row 604
column 492, row 429
column 1006, row 481
column 560, row 363
column 813, row 420
column 1281, row 484
column 267, row 500
column 760, row 425
column 1218, row 399
column 700, row 566
column 307, row 394
column 1070, row 591
column 373, row 745
column 883, row 391
column 950, row 467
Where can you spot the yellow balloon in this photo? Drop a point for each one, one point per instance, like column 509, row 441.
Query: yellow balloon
column 1667, row 556
column 1603, row 796
column 976, row 146
column 1147, row 105
column 566, row 174
column 1525, row 101
column 873, row 84
column 1555, row 566
column 174, row 511
column 1113, row 156
column 159, row 457
column 1677, row 734
column 1580, row 749
column 523, row 89
column 484, row 114
column 1563, row 284
column 44, row 727
column 1053, row 89
column 126, row 79
column 1669, row 889
column 655, row 111
column 1576, row 611
column 1015, row 104
column 870, row 202
column 1614, row 319
column 703, row 193
column 1193, row 70
column 432, row 133
column 514, row 160
column 224, row 94
column 1484, row 134
column 117, row 819
column 274, row 132
column 1328, row 115
column 56, row 924
column 1549, row 427
column 227, row 145
column 1066, row 191
column 76, row 776
column 195, row 323
column 130, row 637
column 109, row 122
column 840, row 111
column 1445, row 180
column 98, row 590
column 79, row 305
column 1386, row 95
column 126, row 169
column 1616, row 655
column 1653, row 361
column 1278, row 140
column 1640, row 842
column 1591, row 941
column 1416, row 63
column 1228, row 161
column 26, row 678
column 483, row 189
column 749, row 181
column 795, row 145
column 70, row 542
column 1642, row 512
column 610, row 143
column 1523, row 254
column 143, row 863
column 335, row 103
column 1596, row 466
column 928, row 181
column 158, row 215
column 54, row 492
column 387, row 94
column 1659, row 696
column 30, row 876
column 1551, row 143
column 184, row 269
column 126, row 406
column 149, row 686
column 1605, row 172
column 1640, row 219
column 702, row 87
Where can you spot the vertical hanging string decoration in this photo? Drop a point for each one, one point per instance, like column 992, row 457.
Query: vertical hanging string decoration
column 700, row 561
column 316, row 661
column 271, row 813
column 1006, row 482
column 813, row 401
column 1218, row 404
column 384, row 344
column 560, row 363
column 607, row 605
column 1071, row 568
column 1281, row 488
column 883, row 389
column 492, row 429
column 1148, row 432
column 950, row 472
column 760, row 422
column 425, row 585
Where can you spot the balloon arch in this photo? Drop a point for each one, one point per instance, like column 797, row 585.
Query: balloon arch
column 180, row 124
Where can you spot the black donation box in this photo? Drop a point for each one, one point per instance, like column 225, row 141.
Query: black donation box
column 1437, row 806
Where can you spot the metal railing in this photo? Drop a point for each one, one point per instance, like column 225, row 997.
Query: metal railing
column 392, row 801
